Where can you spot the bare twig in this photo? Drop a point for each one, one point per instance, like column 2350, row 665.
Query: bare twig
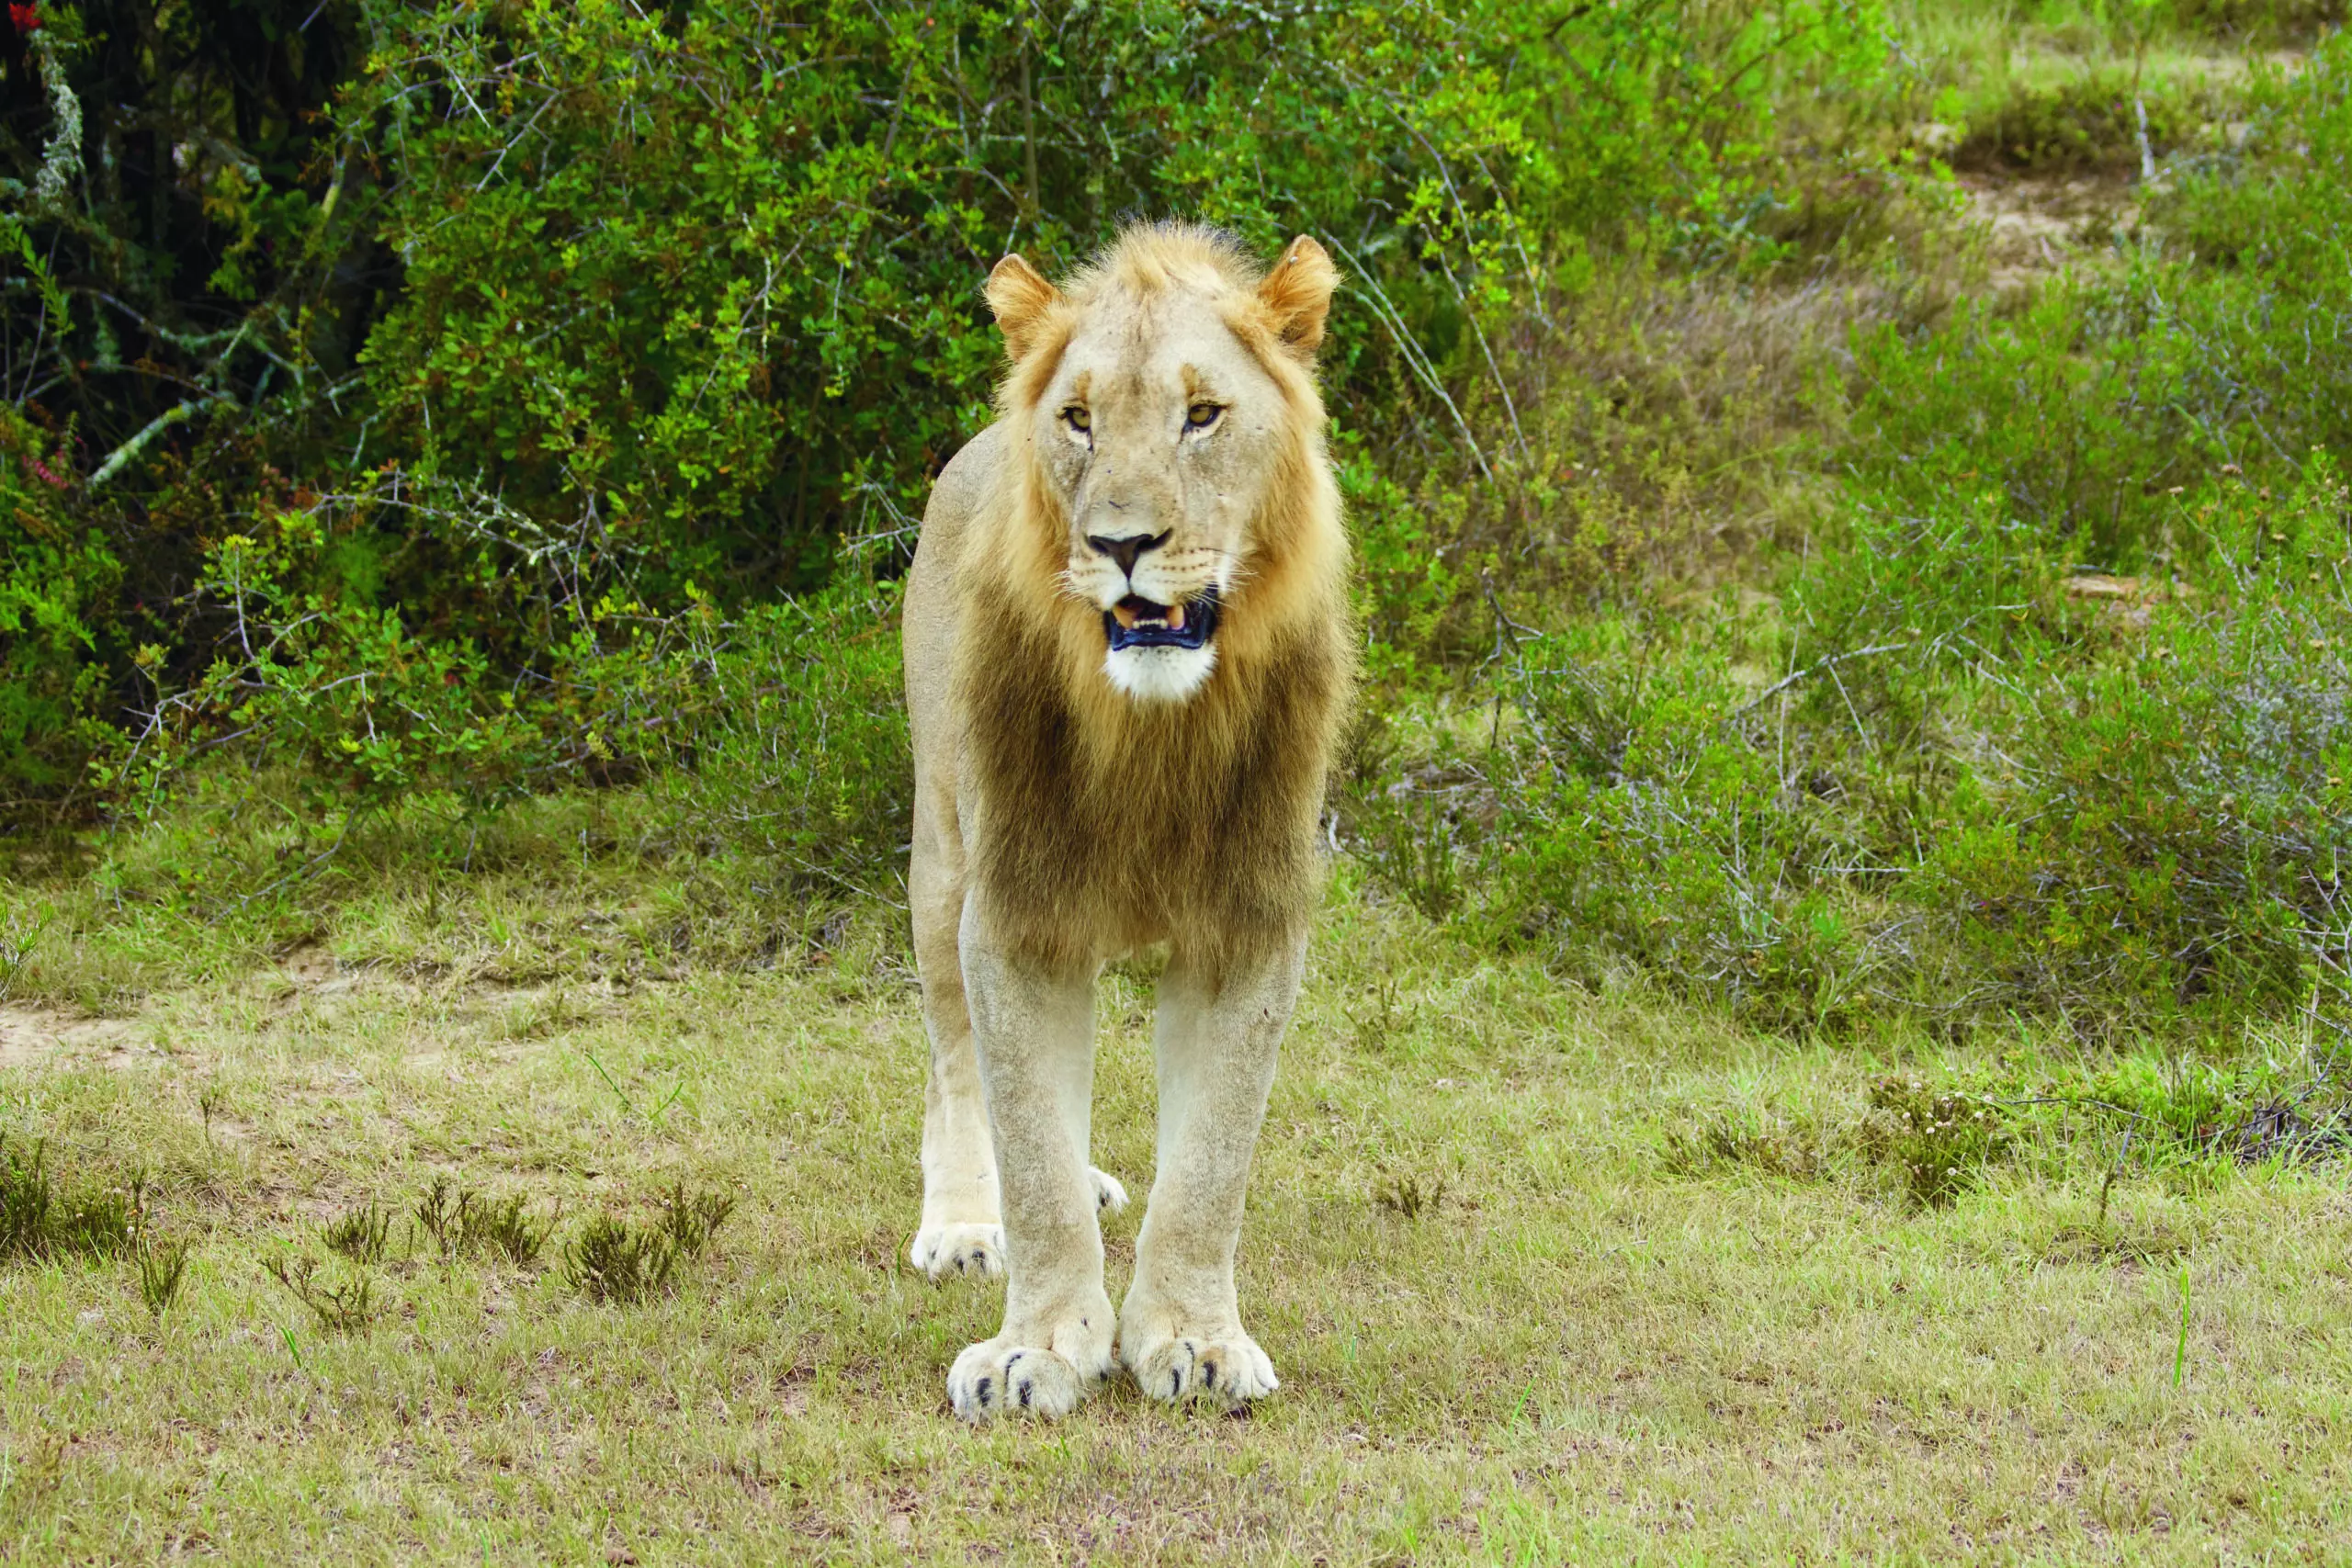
column 1818, row 667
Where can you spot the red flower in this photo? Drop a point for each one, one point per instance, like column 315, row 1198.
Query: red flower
column 26, row 15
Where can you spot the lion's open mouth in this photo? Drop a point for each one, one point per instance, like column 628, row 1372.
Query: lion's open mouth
column 1135, row 622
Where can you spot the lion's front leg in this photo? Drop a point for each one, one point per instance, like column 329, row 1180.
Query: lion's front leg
column 1181, row 1331
column 1034, row 1026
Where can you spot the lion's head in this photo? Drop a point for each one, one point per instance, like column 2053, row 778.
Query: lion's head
column 1178, row 503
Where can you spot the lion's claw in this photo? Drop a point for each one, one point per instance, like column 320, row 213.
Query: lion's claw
column 994, row 1378
column 945, row 1250
column 1110, row 1197
column 1229, row 1367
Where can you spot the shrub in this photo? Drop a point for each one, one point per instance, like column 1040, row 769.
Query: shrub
column 1792, row 1150
column 343, row 1306
column 752, row 320
column 2262, row 21
column 58, row 579
column 40, row 1220
column 2172, row 820
column 464, row 1224
column 359, row 1234
column 690, row 1220
column 1941, row 1139
column 580, row 317
column 311, row 673
column 2061, row 724
column 1618, row 824
column 793, row 747
column 786, row 718
column 2091, row 123
column 2117, row 800
column 2086, row 410
column 612, row 1261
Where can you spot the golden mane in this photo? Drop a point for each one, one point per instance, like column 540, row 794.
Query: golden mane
column 1109, row 824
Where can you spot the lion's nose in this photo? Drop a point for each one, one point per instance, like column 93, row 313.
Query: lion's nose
column 1126, row 549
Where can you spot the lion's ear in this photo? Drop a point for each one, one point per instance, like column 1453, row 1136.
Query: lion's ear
column 1297, row 295
column 1019, row 298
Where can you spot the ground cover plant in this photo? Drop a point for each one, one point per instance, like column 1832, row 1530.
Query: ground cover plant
column 1573, row 1341
column 1827, row 1034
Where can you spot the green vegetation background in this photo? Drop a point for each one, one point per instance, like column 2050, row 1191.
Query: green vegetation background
column 414, row 412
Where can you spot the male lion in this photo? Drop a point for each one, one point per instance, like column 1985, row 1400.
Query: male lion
column 1127, row 655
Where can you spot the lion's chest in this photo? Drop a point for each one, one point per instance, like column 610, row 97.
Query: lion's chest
column 1180, row 826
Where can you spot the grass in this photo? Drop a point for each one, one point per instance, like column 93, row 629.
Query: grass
column 538, row 1190
column 40, row 1220
column 162, row 1270
column 1512, row 1321
column 614, row 1261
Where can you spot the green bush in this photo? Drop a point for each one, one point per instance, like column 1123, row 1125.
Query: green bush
column 654, row 308
column 58, row 579
column 2261, row 21
column 2092, row 123
column 778, row 732
column 796, row 751
column 2170, row 820
column 2088, row 410
column 1620, row 825
column 2129, row 806
column 40, row 1219
column 1941, row 1139
column 750, row 322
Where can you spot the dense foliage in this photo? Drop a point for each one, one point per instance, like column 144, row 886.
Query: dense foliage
column 415, row 408
column 2059, row 723
column 389, row 366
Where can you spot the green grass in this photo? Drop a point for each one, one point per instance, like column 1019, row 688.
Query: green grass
column 1516, row 1317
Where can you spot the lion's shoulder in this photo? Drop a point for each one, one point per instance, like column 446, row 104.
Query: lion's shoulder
column 957, row 495
column 929, row 611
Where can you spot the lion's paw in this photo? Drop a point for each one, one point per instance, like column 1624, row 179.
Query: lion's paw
column 1177, row 1367
column 997, row 1377
column 941, row 1250
column 1110, row 1197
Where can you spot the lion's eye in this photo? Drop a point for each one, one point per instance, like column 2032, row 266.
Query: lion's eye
column 1200, row 416
column 1077, row 419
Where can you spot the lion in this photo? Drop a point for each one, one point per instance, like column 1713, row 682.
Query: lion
column 1128, row 653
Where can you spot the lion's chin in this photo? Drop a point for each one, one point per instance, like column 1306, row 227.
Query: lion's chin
column 1159, row 674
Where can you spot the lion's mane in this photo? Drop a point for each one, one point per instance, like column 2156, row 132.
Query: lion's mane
column 1109, row 824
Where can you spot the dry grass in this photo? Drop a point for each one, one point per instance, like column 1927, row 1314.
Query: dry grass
column 1583, row 1349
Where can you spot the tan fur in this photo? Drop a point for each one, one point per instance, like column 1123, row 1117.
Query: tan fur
column 1061, row 821
column 1235, row 778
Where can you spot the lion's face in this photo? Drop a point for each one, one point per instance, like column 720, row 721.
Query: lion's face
column 1161, row 431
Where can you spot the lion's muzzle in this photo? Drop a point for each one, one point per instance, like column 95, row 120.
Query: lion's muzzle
column 1137, row 622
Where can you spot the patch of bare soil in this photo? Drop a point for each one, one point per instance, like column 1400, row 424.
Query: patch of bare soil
column 2036, row 225
column 310, row 972
column 310, row 965
column 32, row 1036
